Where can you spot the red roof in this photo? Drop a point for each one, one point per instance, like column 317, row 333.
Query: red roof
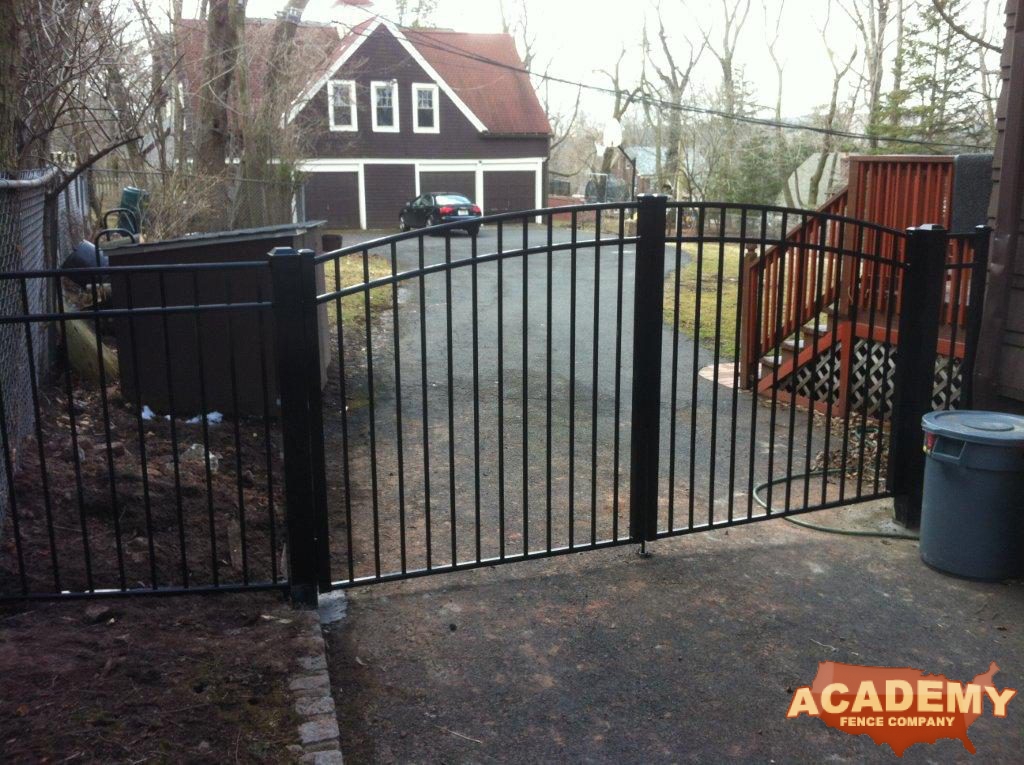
column 316, row 43
column 483, row 69
column 486, row 71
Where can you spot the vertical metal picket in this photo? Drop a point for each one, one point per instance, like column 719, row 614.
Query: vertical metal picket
column 923, row 283
column 648, row 291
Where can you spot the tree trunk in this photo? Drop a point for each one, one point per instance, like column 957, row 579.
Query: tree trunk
column 9, row 58
column 222, row 31
column 675, row 137
column 280, row 45
column 222, row 35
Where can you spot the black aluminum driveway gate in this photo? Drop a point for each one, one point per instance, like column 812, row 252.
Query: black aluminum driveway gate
column 546, row 387
column 530, row 392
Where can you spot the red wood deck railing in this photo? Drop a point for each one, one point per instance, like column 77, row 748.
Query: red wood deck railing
column 784, row 283
column 892, row 191
column 896, row 192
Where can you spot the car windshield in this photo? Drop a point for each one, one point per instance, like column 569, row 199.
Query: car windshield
column 452, row 199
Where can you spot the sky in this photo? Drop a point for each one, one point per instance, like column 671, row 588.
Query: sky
column 576, row 39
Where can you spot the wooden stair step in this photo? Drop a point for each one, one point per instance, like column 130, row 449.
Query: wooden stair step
column 809, row 329
column 769, row 360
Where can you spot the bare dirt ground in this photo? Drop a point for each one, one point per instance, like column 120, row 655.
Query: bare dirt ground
column 179, row 679
column 176, row 523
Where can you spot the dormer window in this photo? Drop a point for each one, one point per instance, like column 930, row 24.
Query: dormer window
column 341, row 104
column 385, row 106
column 425, row 108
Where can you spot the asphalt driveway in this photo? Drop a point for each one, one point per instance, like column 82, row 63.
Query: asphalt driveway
column 689, row 656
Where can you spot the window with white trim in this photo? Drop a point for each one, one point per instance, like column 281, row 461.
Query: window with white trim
column 341, row 104
column 385, row 106
column 425, row 108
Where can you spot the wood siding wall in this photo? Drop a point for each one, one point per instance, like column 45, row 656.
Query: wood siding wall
column 1000, row 365
column 382, row 57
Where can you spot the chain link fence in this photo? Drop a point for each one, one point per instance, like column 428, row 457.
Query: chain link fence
column 37, row 228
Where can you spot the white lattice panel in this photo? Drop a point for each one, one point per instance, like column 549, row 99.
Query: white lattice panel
column 819, row 381
column 872, row 374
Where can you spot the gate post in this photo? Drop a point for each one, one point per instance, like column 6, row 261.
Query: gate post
column 923, row 283
column 315, row 381
column 648, row 295
column 298, row 372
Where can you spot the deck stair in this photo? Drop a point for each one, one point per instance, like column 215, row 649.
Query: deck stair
column 811, row 304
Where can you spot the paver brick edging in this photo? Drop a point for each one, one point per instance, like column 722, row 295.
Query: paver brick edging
column 318, row 734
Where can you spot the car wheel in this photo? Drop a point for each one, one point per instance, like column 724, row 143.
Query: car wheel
column 402, row 225
column 473, row 230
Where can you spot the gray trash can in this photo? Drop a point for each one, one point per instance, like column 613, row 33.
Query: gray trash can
column 972, row 518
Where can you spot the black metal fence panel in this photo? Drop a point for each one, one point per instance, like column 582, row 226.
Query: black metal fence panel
column 507, row 396
column 108, row 495
column 566, row 379
column 737, row 452
column 479, row 410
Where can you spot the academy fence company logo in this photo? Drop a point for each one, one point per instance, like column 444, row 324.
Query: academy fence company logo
column 899, row 706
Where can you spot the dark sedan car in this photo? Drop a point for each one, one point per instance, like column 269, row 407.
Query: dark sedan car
column 438, row 207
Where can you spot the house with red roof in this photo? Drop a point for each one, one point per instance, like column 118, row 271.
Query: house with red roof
column 389, row 113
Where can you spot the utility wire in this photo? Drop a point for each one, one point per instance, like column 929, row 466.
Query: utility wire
column 661, row 103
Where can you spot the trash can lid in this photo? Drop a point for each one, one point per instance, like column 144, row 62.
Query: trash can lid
column 993, row 428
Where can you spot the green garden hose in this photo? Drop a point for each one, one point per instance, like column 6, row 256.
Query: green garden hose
column 814, row 526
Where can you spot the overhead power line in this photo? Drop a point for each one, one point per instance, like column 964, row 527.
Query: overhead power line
column 663, row 104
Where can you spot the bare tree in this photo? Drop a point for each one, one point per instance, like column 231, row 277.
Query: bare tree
column 268, row 146
column 77, row 83
column 733, row 19
column 703, row 164
column 731, row 94
column 780, row 65
column 515, row 22
column 942, row 8
column 164, row 57
column 415, row 13
column 673, row 76
column 872, row 19
column 988, row 79
column 840, row 69
column 223, row 34
column 623, row 100
column 985, row 49
column 281, row 45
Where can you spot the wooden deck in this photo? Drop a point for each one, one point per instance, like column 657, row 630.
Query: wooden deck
column 833, row 283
